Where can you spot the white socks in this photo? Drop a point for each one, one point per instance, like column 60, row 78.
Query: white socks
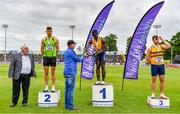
column 46, row 88
column 53, row 88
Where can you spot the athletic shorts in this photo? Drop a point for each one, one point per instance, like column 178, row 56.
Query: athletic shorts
column 49, row 61
column 157, row 70
column 101, row 56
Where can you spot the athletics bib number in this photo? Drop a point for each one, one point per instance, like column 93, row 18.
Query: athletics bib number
column 159, row 59
column 49, row 47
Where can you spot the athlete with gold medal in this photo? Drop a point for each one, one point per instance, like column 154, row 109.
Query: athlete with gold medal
column 100, row 55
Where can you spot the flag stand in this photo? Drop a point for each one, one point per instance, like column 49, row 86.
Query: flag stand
column 80, row 83
column 123, row 84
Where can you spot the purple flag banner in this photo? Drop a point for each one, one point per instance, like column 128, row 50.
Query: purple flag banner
column 87, row 67
column 138, row 42
column 88, row 64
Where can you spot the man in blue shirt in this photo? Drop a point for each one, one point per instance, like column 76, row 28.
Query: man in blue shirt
column 70, row 69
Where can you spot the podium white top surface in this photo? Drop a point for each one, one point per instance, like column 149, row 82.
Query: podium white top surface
column 50, row 91
column 158, row 98
column 106, row 84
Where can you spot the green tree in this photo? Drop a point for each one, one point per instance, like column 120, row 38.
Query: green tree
column 111, row 41
column 167, row 52
column 175, row 45
column 175, row 40
column 127, row 46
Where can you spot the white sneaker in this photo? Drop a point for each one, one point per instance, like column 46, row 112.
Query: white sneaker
column 103, row 82
column 97, row 83
column 53, row 89
column 46, row 89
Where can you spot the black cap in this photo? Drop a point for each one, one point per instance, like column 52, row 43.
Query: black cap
column 71, row 42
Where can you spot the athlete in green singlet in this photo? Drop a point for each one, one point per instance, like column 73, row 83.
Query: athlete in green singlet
column 49, row 49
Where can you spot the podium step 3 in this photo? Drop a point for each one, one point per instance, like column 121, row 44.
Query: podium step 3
column 158, row 98
column 158, row 102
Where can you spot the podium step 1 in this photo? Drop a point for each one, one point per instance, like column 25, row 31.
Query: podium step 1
column 102, row 95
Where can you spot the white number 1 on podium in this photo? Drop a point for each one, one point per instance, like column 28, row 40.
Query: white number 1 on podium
column 47, row 98
column 103, row 91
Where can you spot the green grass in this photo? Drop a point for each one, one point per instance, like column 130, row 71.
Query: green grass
column 132, row 100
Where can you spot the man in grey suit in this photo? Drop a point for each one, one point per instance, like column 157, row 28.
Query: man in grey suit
column 20, row 70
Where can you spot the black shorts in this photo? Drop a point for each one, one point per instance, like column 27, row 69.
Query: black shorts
column 49, row 61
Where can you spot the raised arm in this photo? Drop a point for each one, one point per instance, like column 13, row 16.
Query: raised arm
column 165, row 44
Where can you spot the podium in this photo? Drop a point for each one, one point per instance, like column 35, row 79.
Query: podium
column 102, row 95
column 48, row 99
column 158, row 102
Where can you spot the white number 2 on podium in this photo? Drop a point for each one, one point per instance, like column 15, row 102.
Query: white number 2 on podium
column 103, row 91
column 47, row 98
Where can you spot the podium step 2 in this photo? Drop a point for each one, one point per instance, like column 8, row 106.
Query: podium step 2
column 49, row 99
